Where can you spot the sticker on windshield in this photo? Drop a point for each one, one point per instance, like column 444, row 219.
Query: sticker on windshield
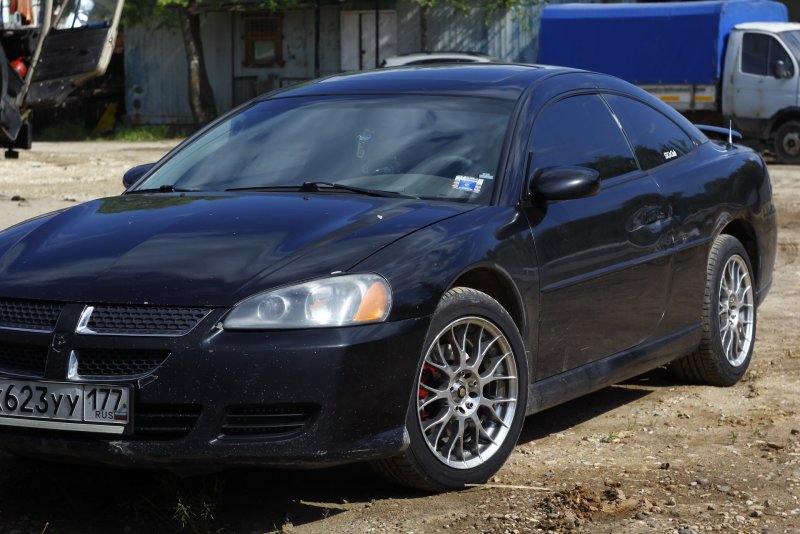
column 468, row 183
column 486, row 176
column 363, row 139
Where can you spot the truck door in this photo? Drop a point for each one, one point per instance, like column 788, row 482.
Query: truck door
column 759, row 89
column 77, row 48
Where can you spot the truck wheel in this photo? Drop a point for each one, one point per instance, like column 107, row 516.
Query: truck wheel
column 469, row 398
column 787, row 143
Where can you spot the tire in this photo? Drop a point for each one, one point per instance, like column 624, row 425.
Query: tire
column 728, row 316
column 787, row 143
column 465, row 414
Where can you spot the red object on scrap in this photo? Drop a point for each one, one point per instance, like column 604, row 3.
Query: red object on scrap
column 20, row 66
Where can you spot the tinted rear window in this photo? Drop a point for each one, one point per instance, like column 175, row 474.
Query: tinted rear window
column 655, row 138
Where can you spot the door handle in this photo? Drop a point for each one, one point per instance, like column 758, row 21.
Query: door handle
column 653, row 215
column 648, row 215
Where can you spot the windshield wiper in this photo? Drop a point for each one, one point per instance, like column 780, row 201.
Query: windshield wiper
column 316, row 187
column 163, row 189
column 328, row 186
column 268, row 188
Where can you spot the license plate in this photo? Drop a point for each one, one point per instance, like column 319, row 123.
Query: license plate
column 59, row 406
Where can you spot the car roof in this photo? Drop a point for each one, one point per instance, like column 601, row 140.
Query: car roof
column 507, row 81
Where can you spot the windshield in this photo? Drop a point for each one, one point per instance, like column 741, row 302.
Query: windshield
column 86, row 13
column 422, row 146
column 792, row 40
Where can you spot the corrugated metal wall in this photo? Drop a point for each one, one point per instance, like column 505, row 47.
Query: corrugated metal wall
column 155, row 70
column 155, row 64
column 509, row 36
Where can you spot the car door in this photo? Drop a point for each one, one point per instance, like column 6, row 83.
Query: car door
column 77, row 48
column 603, row 262
column 666, row 152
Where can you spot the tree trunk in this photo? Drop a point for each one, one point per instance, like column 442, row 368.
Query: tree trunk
column 423, row 28
column 201, row 96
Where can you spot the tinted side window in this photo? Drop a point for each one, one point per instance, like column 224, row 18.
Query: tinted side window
column 761, row 53
column 655, row 138
column 581, row 131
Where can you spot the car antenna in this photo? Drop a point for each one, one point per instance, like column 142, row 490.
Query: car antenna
column 730, row 133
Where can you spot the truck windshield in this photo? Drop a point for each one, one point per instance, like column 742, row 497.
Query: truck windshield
column 792, row 40
column 422, row 146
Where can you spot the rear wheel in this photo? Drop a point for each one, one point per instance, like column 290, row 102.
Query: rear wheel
column 729, row 318
column 469, row 397
column 787, row 142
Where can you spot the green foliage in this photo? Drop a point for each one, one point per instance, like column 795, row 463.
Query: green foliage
column 142, row 133
column 78, row 131
column 161, row 13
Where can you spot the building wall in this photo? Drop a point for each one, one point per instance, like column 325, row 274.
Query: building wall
column 156, row 87
column 155, row 64
column 510, row 36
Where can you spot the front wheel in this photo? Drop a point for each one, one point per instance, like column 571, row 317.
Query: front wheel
column 787, row 143
column 469, row 398
column 729, row 318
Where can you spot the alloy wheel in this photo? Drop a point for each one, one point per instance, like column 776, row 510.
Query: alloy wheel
column 467, row 392
column 736, row 310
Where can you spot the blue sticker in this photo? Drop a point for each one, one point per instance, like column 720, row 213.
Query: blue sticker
column 468, row 183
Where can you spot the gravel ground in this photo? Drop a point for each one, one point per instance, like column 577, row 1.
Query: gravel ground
column 650, row 455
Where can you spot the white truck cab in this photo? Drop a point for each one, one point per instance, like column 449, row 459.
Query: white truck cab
column 761, row 84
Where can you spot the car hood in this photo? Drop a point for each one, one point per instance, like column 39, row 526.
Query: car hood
column 200, row 249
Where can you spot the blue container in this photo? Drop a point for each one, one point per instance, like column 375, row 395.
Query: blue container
column 649, row 44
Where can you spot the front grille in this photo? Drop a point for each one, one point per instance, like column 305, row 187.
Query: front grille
column 29, row 315
column 118, row 363
column 139, row 320
column 253, row 421
column 164, row 421
column 23, row 359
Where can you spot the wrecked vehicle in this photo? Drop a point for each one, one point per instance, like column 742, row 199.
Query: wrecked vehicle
column 47, row 50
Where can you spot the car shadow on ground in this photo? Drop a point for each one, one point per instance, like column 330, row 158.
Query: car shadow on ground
column 36, row 496
column 577, row 411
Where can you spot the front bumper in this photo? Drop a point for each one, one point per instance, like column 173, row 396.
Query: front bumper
column 288, row 398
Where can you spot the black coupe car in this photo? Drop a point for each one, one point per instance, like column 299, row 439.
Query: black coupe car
column 395, row 266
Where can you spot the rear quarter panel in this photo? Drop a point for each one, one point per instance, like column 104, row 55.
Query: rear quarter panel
column 715, row 190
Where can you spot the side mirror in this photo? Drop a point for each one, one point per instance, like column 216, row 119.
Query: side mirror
column 781, row 70
column 563, row 183
column 133, row 174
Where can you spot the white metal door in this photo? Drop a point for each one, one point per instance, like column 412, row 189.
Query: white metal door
column 358, row 38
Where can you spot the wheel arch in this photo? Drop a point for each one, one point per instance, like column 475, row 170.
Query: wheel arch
column 498, row 284
column 781, row 118
column 746, row 234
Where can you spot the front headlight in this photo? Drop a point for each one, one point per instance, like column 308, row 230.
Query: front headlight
column 337, row 301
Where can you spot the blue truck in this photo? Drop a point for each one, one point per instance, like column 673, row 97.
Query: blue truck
column 735, row 59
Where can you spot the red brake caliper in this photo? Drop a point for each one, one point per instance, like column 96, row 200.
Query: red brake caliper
column 427, row 375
